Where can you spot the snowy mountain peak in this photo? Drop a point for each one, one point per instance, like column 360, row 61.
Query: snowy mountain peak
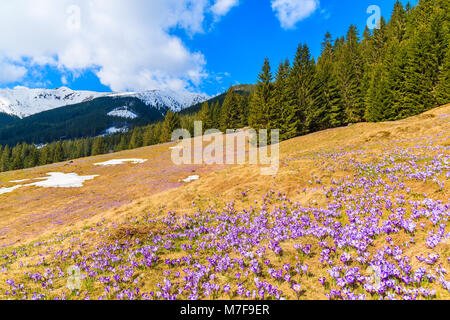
column 175, row 100
column 23, row 102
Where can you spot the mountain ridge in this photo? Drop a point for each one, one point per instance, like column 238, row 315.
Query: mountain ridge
column 22, row 102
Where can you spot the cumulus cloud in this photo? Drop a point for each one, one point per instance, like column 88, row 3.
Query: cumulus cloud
column 289, row 12
column 221, row 7
column 10, row 72
column 127, row 43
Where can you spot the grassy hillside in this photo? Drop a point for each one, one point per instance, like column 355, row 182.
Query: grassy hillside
column 86, row 119
column 354, row 212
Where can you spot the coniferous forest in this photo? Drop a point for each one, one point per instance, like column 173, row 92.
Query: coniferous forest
column 398, row 70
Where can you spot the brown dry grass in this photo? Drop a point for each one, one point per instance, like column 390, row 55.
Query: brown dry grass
column 128, row 191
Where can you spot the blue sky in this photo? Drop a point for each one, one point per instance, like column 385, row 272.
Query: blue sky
column 219, row 48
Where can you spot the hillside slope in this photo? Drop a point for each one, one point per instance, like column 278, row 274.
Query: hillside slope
column 43, row 115
column 242, row 89
column 87, row 119
column 354, row 212
column 23, row 102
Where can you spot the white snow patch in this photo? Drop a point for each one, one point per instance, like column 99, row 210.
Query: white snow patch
column 191, row 178
column 115, row 162
column 62, row 180
column 7, row 190
column 40, row 146
column 113, row 130
column 123, row 113
column 19, row 181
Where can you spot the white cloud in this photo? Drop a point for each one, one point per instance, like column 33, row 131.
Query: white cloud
column 221, row 7
column 10, row 72
column 289, row 12
column 128, row 43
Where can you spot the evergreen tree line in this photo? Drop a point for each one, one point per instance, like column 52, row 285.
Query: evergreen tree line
column 398, row 70
column 25, row 155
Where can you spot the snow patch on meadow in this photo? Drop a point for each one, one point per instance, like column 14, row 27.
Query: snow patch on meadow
column 191, row 178
column 54, row 180
column 62, row 180
column 116, row 162
column 19, row 181
column 8, row 190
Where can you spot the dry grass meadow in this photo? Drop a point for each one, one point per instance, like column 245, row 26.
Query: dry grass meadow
column 70, row 218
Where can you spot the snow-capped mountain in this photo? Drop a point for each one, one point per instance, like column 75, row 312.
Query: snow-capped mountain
column 23, row 102
column 176, row 101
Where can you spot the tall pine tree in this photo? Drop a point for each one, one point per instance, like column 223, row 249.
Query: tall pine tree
column 230, row 113
column 261, row 100
column 171, row 123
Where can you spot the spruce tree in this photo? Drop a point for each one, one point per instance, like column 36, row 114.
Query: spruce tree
column 261, row 99
column 171, row 123
column 419, row 74
column 123, row 144
column 396, row 27
column 58, row 155
column 205, row 116
column 43, row 156
column 98, row 146
column 279, row 97
column 147, row 136
column 302, row 91
column 136, row 140
column 216, row 110
column 426, row 50
column 443, row 87
column 32, row 158
column 350, row 75
column 16, row 159
column 375, row 101
column 244, row 109
column 5, row 159
column 328, row 97
column 393, row 80
column 157, row 129
column 230, row 113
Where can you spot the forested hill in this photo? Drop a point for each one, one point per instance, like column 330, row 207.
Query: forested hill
column 241, row 89
column 6, row 119
column 398, row 70
column 87, row 119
